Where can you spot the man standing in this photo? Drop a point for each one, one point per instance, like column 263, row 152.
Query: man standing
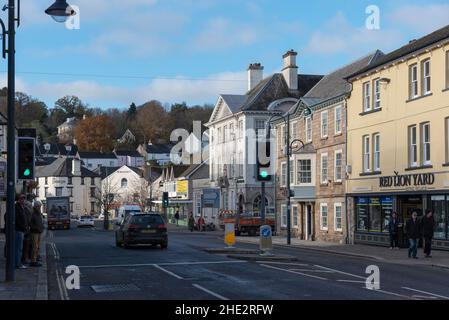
column 21, row 228
column 393, row 227
column 414, row 234
column 27, row 247
column 36, row 229
column 177, row 216
column 428, row 225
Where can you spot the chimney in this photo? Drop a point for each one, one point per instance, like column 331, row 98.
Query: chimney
column 255, row 75
column 290, row 70
column 76, row 167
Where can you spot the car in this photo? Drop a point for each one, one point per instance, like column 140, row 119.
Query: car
column 142, row 229
column 86, row 221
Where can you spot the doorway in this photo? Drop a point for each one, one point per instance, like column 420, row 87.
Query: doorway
column 406, row 206
column 309, row 219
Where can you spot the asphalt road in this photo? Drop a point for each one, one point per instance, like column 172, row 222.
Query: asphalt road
column 186, row 271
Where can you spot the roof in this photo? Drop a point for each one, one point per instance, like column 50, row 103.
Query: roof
column 104, row 172
column 409, row 48
column 96, row 155
column 159, row 148
column 196, row 171
column 58, row 149
column 62, row 167
column 234, row 102
column 128, row 153
column 70, row 121
column 335, row 84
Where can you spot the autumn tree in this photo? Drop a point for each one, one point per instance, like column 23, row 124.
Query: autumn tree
column 95, row 134
column 73, row 107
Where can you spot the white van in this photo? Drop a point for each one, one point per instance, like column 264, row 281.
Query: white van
column 124, row 210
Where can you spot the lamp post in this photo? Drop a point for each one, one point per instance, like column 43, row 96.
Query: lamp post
column 60, row 9
column 289, row 145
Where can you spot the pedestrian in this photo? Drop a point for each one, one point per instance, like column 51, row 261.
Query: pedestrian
column 21, row 228
column 27, row 245
column 393, row 227
column 428, row 227
column 177, row 217
column 36, row 229
column 200, row 223
column 191, row 222
column 413, row 228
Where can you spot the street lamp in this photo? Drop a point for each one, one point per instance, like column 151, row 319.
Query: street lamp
column 58, row 9
column 290, row 145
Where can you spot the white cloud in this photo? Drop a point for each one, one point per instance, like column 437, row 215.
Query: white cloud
column 338, row 36
column 422, row 18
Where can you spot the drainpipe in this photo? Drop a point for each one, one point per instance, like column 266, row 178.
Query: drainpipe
column 348, row 227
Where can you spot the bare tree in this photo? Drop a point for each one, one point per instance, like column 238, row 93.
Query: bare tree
column 106, row 196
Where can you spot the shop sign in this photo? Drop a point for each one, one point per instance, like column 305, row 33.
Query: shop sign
column 419, row 179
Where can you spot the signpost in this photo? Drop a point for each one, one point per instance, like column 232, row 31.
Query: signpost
column 266, row 242
column 230, row 235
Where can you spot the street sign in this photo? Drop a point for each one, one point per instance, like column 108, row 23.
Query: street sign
column 230, row 234
column 266, row 242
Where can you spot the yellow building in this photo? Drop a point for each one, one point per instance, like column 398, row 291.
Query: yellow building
column 398, row 140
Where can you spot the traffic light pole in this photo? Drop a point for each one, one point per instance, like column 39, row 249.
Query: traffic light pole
column 287, row 145
column 262, row 205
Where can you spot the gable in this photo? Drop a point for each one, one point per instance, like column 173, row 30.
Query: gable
column 221, row 110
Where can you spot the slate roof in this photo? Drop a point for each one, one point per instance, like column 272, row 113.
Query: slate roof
column 96, row 155
column 62, row 167
column 234, row 101
column 409, row 48
column 128, row 153
column 335, row 84
column 196, row 171
column 104, row 172
column 159, row 148
column 57, row 149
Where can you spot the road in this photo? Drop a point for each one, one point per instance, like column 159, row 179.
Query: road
column 186, row 271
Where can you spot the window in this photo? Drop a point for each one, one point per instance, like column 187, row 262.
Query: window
column 304, row 171
column 241, row 129
column 324, row 124
column 376, row 151
column 323, row 216
column 58, row 192
column 283, row 174
column 69, row 180
column 92, row 192
column 366, row 97
column 295, row 130
column 295, row 216
column 198, row 205
column 70, row 192
column 376, row 94
column 366, row 154
column 82, row 180
column 92, row 181
column 292, row 172
column 337, row 217
column 225, row 134
column 71, row 207
column 338, row 120
column 413, row 76
column 425, row 68
column 231, row 131
column 124, row 183
column 413, row 147
column 46, row 191
column 308, row 129
column 92, row 207
column 284, row 216
column 324, row 170
column 447, row 69
column 260, row 125
column 219, row 135
column 425, row 136
column 338, row 166
column 46, row 180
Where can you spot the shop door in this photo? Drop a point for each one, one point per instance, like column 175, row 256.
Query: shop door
column 309, row 222
column 407, row 207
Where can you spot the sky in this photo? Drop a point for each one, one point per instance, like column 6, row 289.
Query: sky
column 128, row 51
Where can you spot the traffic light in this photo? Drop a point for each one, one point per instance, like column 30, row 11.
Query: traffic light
column 165, row 200
column 26, row 152
column 263, row 162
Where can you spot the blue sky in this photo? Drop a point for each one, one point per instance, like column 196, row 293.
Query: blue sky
column 192, row 50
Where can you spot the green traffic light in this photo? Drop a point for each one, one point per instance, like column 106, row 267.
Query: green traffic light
column 264, row 174
column 27, row 172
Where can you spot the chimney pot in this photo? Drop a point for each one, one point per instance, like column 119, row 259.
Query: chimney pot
column 290, row 70
column 255, row 75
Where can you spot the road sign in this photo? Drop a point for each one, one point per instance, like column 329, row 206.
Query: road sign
column 266, row 242
column 229, row 234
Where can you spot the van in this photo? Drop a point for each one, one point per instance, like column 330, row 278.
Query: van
column 124, row 210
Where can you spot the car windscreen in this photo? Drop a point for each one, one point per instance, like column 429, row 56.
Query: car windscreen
column 132, row 211
column 147, row 220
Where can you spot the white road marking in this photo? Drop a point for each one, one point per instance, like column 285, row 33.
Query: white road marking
column 216, row 295
column 309, row 270
column 290, row 271
column 161, row 264
column 392, row 293
column 425, row 292
column 341, row 272
column 284, row 263
column 352, row 281
column 168, row 272
column 58, row 280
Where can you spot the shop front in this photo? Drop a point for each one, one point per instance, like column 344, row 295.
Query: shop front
column 409, row 193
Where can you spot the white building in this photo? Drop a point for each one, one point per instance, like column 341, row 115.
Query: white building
column 235, row 117
column 161, row 153
column 66, row 130
column 93, row 160
column 129, row 158
column 66, row 177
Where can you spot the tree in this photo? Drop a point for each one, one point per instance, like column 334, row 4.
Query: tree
column 151, row 122
column 73, row 107
column 95, row 134
column 106, row 197
column 132, row 112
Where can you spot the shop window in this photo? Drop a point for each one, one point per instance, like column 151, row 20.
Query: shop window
column 439, row 209
column 375, row 215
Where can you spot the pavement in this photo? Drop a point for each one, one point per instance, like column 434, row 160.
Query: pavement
column 30, row 283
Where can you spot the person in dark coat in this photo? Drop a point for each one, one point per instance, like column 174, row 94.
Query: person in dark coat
column 191, row 222
column 413, row 228
column 22, row 227
column 428, row 227
column 177, row 217
column 36, row 229
column 393, row 227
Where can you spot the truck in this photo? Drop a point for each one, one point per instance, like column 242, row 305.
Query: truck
column 58, row 212
column 247, row 222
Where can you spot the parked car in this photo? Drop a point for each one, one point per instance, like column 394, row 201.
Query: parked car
column 142, row 228
column 86, row 221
